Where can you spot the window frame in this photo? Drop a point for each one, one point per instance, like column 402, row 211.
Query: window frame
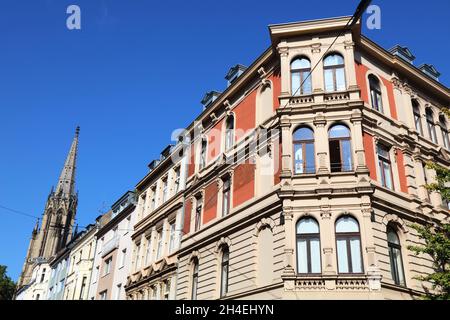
column 334, row 69
column 203, row 153
column 303, row 143
column 429, row 116
column 375, row 88
column 198, row 213
column 226, row 196
column 444, row 132
column 341, row 140
column 348, row 236
column 383, row 160
column 417, row 117
column 301, row 72
column 229, row 132
column 224, row 271
column 308, row 237
column 392, row 261
column 195, row 265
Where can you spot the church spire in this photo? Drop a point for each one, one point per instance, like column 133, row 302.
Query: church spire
column 66, row 182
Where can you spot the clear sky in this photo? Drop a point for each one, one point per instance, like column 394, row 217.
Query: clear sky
column 136, row 71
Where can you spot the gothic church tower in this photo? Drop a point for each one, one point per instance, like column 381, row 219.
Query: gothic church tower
column 58, row 217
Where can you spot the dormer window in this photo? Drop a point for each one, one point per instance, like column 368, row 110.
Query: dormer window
column 234, row 73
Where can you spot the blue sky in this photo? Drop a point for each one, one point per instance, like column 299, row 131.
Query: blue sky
column 136, row 71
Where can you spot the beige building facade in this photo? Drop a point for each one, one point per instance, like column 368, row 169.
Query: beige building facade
column 321, row 208
column 81, row 261
column 157, row 232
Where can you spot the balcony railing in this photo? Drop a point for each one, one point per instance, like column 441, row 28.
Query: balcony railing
column 110, row 245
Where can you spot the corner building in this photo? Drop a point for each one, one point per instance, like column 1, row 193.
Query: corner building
column 304, row 187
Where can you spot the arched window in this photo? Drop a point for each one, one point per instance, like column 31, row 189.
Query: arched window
column 334, row 74
column 303, row 140
column 300, row 76
column 194, row 279
column 430, row 124
column 444, row 131
column 229, row 132
column 203, row 147
column 395, row 257
column 224, row 268
column 308, row 246
column 348, row 245
column 417, row 118
column 375, row 93
column 340, row 148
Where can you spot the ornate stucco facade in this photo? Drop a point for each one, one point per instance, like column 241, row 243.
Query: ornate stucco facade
column 326, row 174
column 299, row 181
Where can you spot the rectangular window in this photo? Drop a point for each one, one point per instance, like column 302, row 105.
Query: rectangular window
column 226, row 197
column 42, row 276
column 103, row 295
column 118, row 291
column 172, row 237
column 107, row 268
column 143, row 202
column 153, row 198
column 177, row 180
column 384, row 164
column 198, row 214
column 203, row 154
column 159, row 238
column 83, row 288
column 148, row 254
column 167, row 289
column 138, row 256
column 165, row 190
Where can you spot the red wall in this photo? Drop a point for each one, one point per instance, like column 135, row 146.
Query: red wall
column 361, row 71
column 191, row 165
column 243, row 183
column 187, row 216
column 214, row 141
column 401, row 171
column 245, row 114
column 390, row 92
column 369, row 151
column 210, row 209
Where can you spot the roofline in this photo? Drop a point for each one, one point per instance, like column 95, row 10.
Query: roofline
column 404, row 67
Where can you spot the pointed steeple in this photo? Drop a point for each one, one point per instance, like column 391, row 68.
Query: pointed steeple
column 66, row 182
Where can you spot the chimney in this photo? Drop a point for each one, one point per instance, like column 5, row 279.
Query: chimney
column 234, row 73
column 403, row 52
column 430, row 71
column 209, row 97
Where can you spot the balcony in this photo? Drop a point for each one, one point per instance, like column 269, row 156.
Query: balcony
column 110, row 245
